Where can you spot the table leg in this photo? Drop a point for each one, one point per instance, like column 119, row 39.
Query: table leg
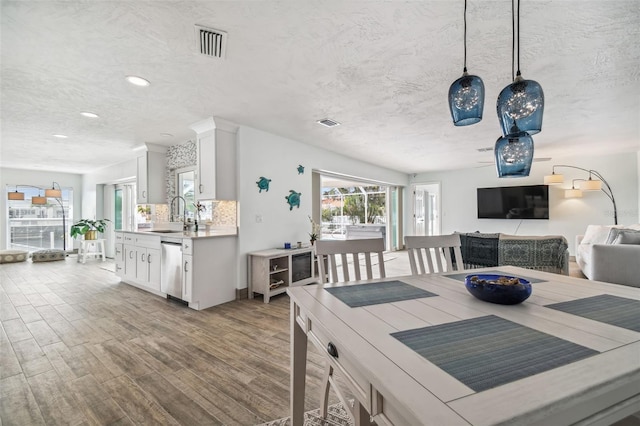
column 298, row 369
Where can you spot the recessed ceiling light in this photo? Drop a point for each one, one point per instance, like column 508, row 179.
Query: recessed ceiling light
column 137, row 81
column 166, row 135
column 89, row 114
column 60, row 136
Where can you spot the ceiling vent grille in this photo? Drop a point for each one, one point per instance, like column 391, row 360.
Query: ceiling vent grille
column 210, row 42
column 327, row 122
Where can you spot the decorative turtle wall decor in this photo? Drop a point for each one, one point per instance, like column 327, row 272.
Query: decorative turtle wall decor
column 293, row 199
column 300, row 169
column 263, row 183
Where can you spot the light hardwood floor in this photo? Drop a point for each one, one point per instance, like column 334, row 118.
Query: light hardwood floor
column 79, row 347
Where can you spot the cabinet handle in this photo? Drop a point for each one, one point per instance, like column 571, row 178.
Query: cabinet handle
column 185, row 266
column 131, row 254
column 200, row 188
column 144, row 194
column 149, row 258
column 142, row 257
column 332, row 350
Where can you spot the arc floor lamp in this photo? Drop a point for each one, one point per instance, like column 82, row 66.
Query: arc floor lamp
column 590, row 184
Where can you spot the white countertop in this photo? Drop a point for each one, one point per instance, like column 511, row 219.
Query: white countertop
column 214, row 232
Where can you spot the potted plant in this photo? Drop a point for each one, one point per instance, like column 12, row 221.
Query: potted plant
column 315, row 231
column 89, row 228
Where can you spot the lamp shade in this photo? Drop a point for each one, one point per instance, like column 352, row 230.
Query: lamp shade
column 38, row 200
column 466, row 100
column 572, row 193
column 553, row 179
column 53, row 193
column 591, row 185
column 520, row 107
column 15, row 195
column 514, row 155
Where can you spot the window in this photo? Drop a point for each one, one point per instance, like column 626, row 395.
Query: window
column 35, row 227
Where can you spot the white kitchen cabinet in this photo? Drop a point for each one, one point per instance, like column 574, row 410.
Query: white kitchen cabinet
column 141, row 260
column 207, row 266
column 187, row 277
column 151, row 176
column 119, row 254
column 130, row 262
column 148, row 267
column 217, row 147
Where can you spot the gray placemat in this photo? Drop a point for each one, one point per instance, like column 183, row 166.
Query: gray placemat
column 490, row 351
column 461, row 277
column 614, row 310
column 376, row 293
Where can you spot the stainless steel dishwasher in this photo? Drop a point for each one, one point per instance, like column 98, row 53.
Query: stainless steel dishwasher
column 171, row 276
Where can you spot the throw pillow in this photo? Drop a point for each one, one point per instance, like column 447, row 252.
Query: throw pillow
column 628, row 238
column 614, row 232
column 597, row 234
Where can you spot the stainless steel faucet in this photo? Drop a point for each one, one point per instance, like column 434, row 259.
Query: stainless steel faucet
column 184, row 210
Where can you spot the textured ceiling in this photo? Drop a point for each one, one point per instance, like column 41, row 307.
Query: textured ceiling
column 381, row 68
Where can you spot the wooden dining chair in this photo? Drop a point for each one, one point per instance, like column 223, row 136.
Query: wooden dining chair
column 348, row 254
column 432, row 254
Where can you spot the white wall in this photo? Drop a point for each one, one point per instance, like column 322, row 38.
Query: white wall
column 42, row 179
column 568, row 217
column 277, row 158
column 92, row 196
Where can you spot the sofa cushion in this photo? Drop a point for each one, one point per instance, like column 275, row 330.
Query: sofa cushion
column 630, row 237
column 479, row 249
column 614, row 232
column 534, row 252
column 598, row 234
column 48, row 255
column 12, row 256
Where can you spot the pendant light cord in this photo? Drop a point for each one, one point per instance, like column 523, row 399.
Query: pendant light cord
column 518, row 73
column 513, row 39
column 465, row 36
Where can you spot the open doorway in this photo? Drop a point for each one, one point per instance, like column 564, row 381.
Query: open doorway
column 352, row 208
column 426, row 209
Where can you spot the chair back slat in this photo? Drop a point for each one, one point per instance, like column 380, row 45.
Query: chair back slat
column 432, row 254
column 350, row 253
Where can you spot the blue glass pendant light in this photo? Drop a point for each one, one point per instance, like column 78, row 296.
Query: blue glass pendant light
column 466, row 94
column 514, row 155
column 521, row 104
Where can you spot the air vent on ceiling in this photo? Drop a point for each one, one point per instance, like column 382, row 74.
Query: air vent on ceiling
column 211, row 42
column 327, row 122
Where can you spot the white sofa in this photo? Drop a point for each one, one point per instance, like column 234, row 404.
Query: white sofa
column 604, row 255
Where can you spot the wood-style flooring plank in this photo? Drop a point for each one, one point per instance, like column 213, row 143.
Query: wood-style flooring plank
column 17, row 404
column 57, row 403
column 185, row 410
column 98, row 407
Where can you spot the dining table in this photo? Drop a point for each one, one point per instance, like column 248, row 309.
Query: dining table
column 422, row 350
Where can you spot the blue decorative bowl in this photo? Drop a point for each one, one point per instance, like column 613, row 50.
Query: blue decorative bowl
column 485, row 287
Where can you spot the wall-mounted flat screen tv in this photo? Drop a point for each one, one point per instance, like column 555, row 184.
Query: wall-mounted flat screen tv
column 514, row 202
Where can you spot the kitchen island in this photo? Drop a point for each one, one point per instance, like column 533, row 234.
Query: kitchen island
column 198, row 268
